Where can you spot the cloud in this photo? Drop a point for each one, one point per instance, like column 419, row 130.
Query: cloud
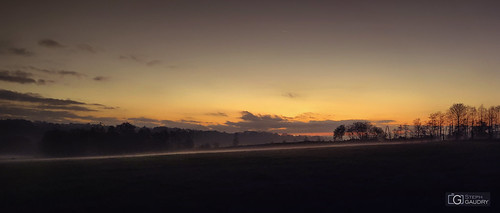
column 33, row 106
column 36, row 114
column 43, row 82
column 48, row 103
column 87, row 48
column 279, row 124
column 58, row 116
column 50, row 43
column 66, row 72
column 19, row 51
column 34, row 98
column 217, row 114
column 252, row 122
column 102, row 106
column 130, row 57
column 57, row 72
column 140, row 60
column 71, row 108
column 183, row 124
column 8, row 47
column 290, row 95
column 248, row 116
column 100, row 78
column 20, row 77
column 384, row 121
column 308, row 116
column 26, row 77
column 153, row 62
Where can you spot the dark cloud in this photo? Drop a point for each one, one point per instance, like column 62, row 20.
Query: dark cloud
column 183, row 124
column 290, row 95
column 131, row 57
column 57, row 72
column 66, row 72
column 36, row 114
column 8, row 47
column 34, row 98
column 32, row 106
column 102, row 106
column 384, row 121
column 43, row 82
column 101, row 78
column 70, row 108
column 50, row 43
column 248, row 116
column 279, row 124
column 153, row 62
column 20, row 51
column 140, row 60
column 57, row 116
column 252, row 122
column 217, row 114
column 108, row 107
column 16, row 77
column 87, row 48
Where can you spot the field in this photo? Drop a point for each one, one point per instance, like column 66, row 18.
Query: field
column 396, row 177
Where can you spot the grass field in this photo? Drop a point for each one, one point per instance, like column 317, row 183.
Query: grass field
column 397, row 177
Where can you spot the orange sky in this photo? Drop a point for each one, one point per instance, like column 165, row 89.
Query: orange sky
column 196, row 64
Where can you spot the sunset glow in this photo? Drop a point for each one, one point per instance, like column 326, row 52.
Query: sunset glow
column 258, row 65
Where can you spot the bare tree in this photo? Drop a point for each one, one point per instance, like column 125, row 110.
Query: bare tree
column 441, row 118
column 491, row 116
column 497, row 109
column 481, row 114
column 471, row 119
column 457, row 115
column 432, row 124
column 417, row 126
column 406, row 130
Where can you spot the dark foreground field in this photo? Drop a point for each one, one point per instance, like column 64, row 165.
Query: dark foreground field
column 402, row 178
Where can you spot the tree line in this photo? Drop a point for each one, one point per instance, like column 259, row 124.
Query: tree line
column 31, row 138
column 459, row 122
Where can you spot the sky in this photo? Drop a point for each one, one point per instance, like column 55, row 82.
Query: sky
column 280, row 66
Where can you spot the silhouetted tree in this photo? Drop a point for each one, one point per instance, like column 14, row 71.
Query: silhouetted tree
column 126, row 128
column 471, row 121
column 377, row 132
column 441, row 118
column 417, row 126
column 432, row 125
column 492, row 117
column 457, row 114
column 339, row 133
column 359, row 130
column 406, row 130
